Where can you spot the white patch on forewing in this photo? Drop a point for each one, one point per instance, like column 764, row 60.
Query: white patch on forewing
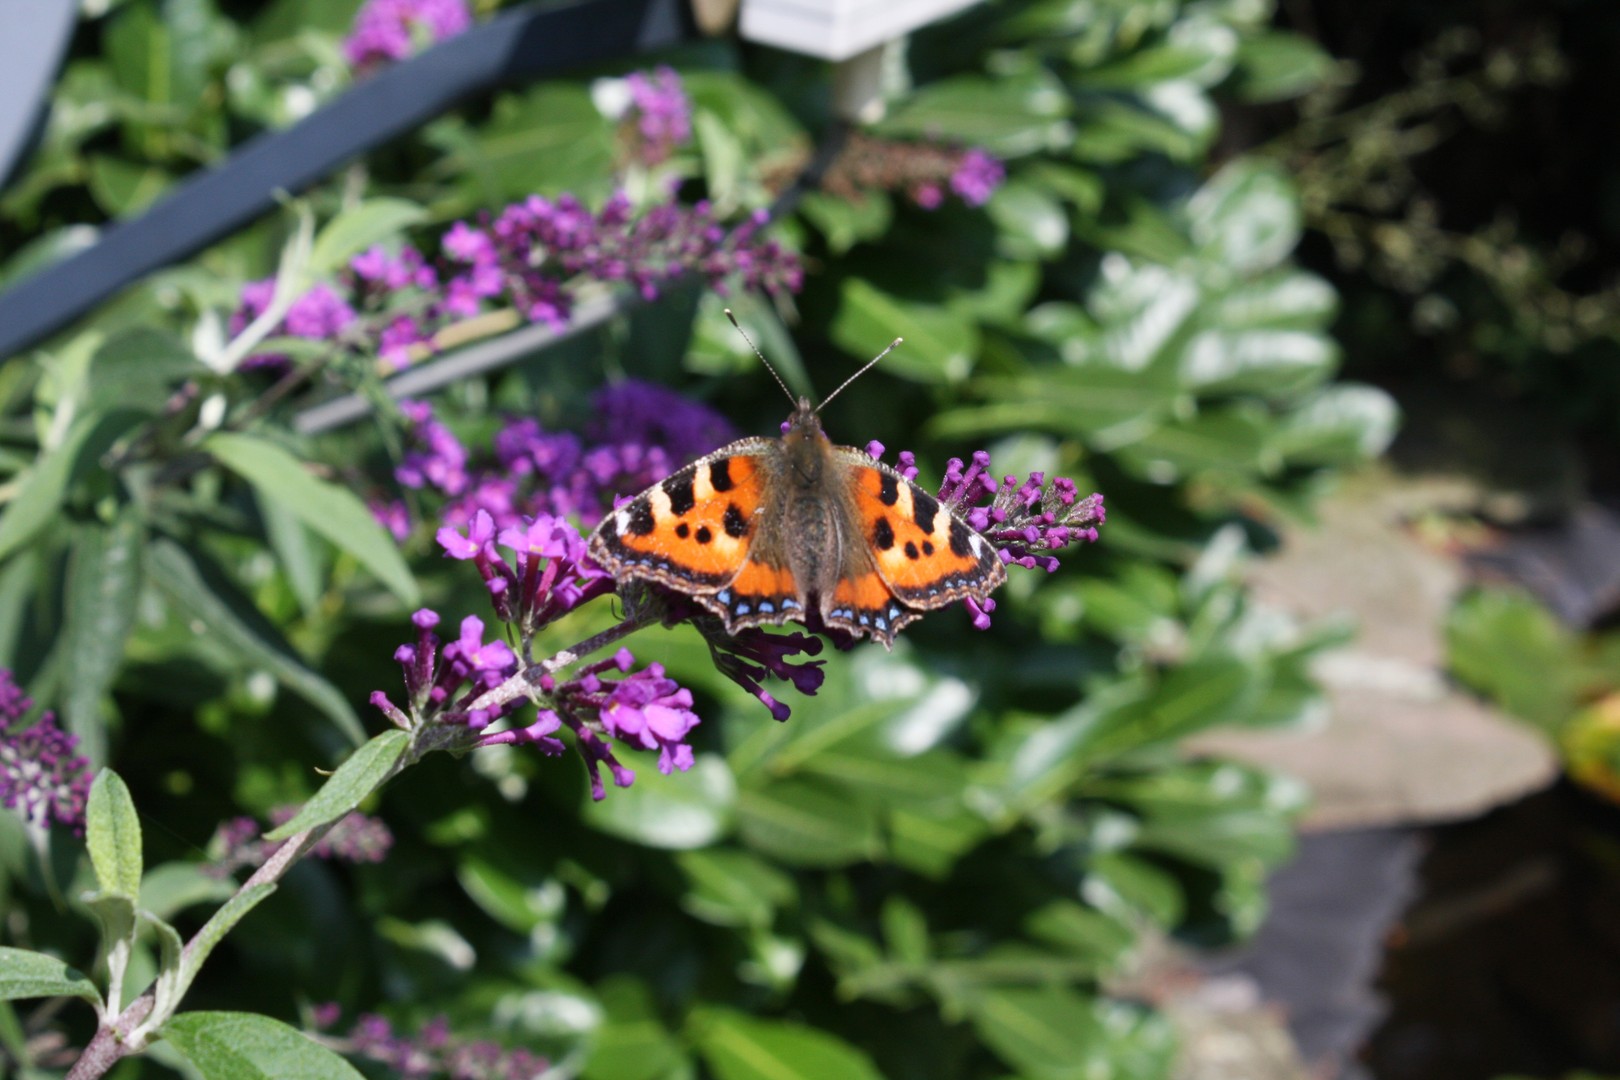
column 621, row 520
column 976, row 543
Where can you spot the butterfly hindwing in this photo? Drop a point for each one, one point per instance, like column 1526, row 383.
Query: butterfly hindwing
column 925, row 554
column 693, row 529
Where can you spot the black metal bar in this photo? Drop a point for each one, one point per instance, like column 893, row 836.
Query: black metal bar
column 517, row 45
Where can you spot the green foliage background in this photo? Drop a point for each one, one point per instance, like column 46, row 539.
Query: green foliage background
column 931, row 869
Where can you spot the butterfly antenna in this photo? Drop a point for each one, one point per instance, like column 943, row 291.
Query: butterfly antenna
column 761, row 356
column 859, row 373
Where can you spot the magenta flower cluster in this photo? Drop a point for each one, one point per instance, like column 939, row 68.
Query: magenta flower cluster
column 388, row 30
column 639, row 433
column 42, row 776
column 660, row 113
column 532, row 256
column 434, row 1051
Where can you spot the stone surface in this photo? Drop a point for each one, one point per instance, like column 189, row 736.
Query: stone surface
column 1401, row 744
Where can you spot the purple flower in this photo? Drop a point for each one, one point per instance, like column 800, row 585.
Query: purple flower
column 976, row 177
column 41, row 775
column 748, row 657
column 387, row 30
column 356, row 838
column 661, row 112
column 319, row 314
column 441, row 687
column 435, row 1050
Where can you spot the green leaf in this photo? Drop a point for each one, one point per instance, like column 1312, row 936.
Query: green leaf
column 213, row 932
column 1338, row 425
column 295, row 550
column 549, row 140
column 359, row 228
column 103, row 585
column 1247, row 218
column 171, row 888
column 1058, row 1034
column 1103, row 405
column 930, row 841
column 738, row 1047
column 1010, row 117
column 121, row 187
column 847, row 222
column 727, row 887
column 327, row 509
column 246, row 1046
column 940, row 345
column 1277, row 65
column 46, row 484
column 138, row 369
column 1268, row 363
column 113, row 835
column 168, row 991
column 344, row 790
column 28, row 974
column 632, row 1043
column 202, row 593
column 1507, row 646
column 808, row 823
column 1284, row 299
column 1031, row 223
column 1197, row 50
column 1130, row 887
column 1229, row 440
column 676, row 812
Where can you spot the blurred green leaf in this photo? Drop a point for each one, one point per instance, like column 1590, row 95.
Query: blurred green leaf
column 171, row 888
column 138, row 369
column 207, row 596
column 46, row 485
column 1513, row 650
column 1276, row 66
column 28, row 974
column 632, row 1042
column 1058, row 1034
column 684, row 810
column 1197, row 50
column 327, row 509
column 220, row 923
column 1247, row 218
column 549, row 139
column 738, row 1047
column 357, row 229
column 1338, row 425
column 1010, row 117
column 727, row 887
column 1267, row 363
column 246, row 1046
column 1230, row 440
column 847, row 222
column 939, row 345
column 103, row 585
column 346, row 788
column 808, row 823
column 1032, row 223
column 121, row 188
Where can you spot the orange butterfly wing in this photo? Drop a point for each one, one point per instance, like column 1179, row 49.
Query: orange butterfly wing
column 924, row 553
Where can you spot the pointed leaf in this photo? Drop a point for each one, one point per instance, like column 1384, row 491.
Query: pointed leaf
column 39, row 499
column 103, row 585
column 740, row 1047
column 808, row 823
column 359, row 228
column 113, row 835
column 214, row 931
column 940, row 345
column 352, row 782
column 28, row 974
column 207, row 596
column 246, row 1046
column 327, row 509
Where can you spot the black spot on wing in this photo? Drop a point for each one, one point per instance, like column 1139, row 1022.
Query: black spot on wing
column 925, row 509
column 911, row 550
column 883, row 534
column 960, row 547
column 641, row 518
column 720, row 475
column 735, row 523
column 703, row 534
column 679, row 490
column 889, row 489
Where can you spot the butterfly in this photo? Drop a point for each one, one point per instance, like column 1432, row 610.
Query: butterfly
column 768, row 530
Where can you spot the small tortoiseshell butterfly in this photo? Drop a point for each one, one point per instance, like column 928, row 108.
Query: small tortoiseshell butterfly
column 767, row 530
